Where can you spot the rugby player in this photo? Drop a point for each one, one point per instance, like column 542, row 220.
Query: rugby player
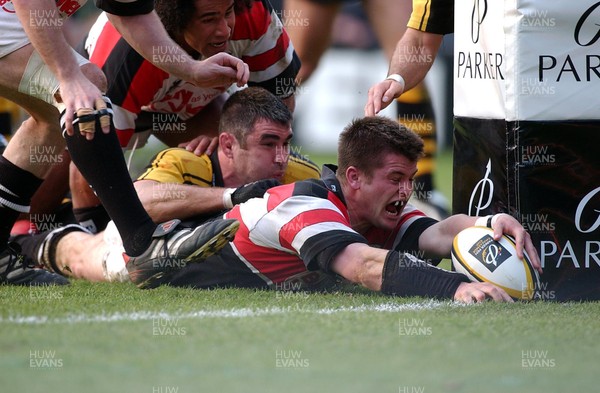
column 388, row 19
column 254, row 136
column 146, row 100
column 355, row 223
column 42, row 74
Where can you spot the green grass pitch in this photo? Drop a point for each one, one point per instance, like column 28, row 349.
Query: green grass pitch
column 115, row 338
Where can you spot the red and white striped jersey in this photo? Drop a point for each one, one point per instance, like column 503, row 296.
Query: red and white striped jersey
column 136, row 85
column 294, row 229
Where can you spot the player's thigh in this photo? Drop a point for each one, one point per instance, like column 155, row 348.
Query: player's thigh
column 388, row 19
column 41, row 111
column 29, row 75
column 13, row 66
column 311, row 39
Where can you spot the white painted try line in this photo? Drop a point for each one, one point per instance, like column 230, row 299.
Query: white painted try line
column 230, row 313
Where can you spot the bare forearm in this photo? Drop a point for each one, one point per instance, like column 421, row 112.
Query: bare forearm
column 436, row 241
column 147, row 35
column 414, row 55
column 166, row 201
column 361, row 264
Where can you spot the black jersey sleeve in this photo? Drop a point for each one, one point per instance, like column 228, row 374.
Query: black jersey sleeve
column 126, row 8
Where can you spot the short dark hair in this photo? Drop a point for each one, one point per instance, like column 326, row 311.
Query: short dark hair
column 245, row 107
column 176, row 15
column 365, row 141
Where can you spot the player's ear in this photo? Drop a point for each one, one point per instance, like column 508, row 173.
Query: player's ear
column 226, row 141
column 353, row 177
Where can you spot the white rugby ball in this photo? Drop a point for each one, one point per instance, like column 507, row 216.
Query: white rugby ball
column 477, row 255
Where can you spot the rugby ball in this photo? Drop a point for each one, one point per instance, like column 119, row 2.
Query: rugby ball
column 477, row 255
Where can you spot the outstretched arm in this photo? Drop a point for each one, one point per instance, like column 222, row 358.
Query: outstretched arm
column 436, row 240
column 394, row 273
column 166, row 201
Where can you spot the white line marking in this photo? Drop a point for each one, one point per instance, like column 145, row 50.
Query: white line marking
column 231, row 313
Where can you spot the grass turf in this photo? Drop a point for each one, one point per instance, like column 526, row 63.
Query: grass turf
column 111, row 337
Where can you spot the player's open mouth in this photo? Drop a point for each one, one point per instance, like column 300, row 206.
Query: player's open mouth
column 219, row 45
column 394, row 208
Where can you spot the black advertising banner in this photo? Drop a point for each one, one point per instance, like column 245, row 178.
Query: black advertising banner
column 546, row 174
column 479, row 174
column 559, row 203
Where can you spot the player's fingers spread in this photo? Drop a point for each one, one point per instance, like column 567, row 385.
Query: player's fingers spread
column 190, row 145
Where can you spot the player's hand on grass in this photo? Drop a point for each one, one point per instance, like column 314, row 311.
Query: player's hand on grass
column 477, row 292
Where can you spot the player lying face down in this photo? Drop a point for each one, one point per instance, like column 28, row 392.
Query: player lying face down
column 255, row 130
column 354, row 222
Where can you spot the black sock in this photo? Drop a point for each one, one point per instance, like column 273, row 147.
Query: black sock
column 102, row 164
column 93, row 218
column 17, row 186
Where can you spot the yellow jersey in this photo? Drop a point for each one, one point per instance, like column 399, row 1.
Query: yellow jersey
column 176, row 165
